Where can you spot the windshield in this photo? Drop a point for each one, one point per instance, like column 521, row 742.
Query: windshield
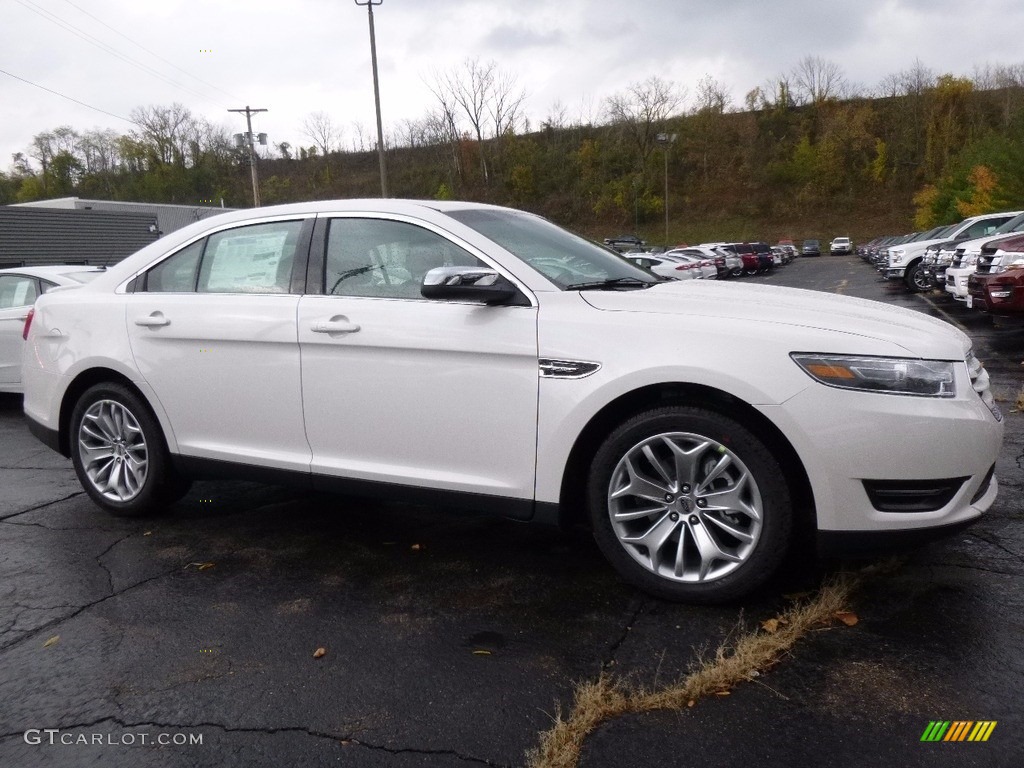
column 565, row 259
column 1013, row 225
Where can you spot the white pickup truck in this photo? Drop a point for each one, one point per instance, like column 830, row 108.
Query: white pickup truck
column 904, row 261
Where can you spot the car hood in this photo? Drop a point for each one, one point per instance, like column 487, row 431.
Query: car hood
column 917, row 333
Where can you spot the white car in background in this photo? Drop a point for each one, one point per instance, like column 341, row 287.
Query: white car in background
column 671, row 267
column 841, row 246
column 446, row 353
column 704, row 262
column 19, row 288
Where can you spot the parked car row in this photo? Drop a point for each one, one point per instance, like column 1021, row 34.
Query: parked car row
column 903, row 257
column 979, row 261
column 710, row 261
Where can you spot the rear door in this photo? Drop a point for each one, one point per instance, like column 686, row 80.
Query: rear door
column 212, row 330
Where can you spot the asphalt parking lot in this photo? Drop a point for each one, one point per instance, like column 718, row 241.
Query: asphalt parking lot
column 452, row 639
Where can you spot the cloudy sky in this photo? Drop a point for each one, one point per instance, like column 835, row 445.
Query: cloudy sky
column 303, row 56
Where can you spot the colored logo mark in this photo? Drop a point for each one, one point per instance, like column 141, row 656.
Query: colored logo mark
column 958, row 730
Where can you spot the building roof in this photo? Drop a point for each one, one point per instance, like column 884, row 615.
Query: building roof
column 170, row 216
column 34, row 236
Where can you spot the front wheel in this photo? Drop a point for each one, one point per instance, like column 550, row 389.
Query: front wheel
column 916, row 279
column 689, row 505
column 119, row 453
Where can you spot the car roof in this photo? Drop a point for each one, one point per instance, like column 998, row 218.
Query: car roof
column 51, row 271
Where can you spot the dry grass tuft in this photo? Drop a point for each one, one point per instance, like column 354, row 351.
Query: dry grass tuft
column 738, row 659
column 1018, row 407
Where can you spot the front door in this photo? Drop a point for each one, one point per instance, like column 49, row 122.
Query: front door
column 400, row 389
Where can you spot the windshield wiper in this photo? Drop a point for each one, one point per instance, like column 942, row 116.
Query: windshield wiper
column 610, row 284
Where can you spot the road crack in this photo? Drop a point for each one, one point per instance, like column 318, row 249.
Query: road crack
column 609, row 660
column 41, row 506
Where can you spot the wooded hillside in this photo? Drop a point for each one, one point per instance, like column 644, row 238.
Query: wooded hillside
column 800, row 158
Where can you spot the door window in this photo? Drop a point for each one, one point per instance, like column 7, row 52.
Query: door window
column 17, row 291
column 253, row 259
column 386, row 259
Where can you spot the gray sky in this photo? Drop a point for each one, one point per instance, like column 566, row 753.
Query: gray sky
column 303, row 56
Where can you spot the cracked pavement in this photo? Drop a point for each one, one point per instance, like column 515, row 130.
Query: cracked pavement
column 452, row 639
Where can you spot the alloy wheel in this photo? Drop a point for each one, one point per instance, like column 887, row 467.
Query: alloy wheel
column 113, row 451
column 685, row 507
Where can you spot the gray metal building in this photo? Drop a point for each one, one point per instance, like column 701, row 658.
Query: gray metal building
column 30, row 235
column 169, row 217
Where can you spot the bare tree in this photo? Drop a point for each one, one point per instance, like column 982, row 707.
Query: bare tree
column 469, row 89
column 505, row 103
column 99, row 150
column 163, row 131
column 319, row 127
column 359, row 140
column 711, row 96
column 916, row 80
column 642, row 109
column 816, row 80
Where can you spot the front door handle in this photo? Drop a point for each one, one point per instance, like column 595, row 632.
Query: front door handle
column 337, row 324
column 154, row 320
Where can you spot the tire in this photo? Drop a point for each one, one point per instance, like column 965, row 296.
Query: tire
column 120, row 455
column 915, row 279
column 705, row 552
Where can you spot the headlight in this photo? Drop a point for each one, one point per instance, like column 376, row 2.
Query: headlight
column 969, row 260
column 1007, row 260
column 888, row 375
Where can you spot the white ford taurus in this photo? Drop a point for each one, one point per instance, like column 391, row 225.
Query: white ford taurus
column 446, row 352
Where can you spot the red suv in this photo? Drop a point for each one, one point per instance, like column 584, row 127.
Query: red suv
column 751, row 263
column 998, row 284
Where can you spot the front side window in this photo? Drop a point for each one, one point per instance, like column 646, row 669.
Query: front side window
column 385, row 259
column 17, row 291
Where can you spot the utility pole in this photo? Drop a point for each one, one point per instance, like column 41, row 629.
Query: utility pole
column 252, row 152
column 666, row 140
column 376, row 96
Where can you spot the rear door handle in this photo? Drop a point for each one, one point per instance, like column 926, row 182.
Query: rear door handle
column 154, row 320
column 337, row 324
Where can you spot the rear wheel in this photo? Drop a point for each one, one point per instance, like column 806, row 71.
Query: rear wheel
column 689, row 505
column 119, row 453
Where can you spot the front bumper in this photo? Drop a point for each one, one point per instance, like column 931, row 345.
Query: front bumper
column 898, row 441
column 1001, row 294
column 956, row 283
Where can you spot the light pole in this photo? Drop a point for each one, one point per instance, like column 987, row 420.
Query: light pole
column 666, row 140
column 376, row 96
column 252, row 152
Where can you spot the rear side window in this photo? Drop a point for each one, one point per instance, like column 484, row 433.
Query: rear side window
column 17, row 291
column 178, row 273
column 251, row 259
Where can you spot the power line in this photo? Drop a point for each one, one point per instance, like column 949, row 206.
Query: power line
column 63, row 96
column 40, row 11
column 144, row 48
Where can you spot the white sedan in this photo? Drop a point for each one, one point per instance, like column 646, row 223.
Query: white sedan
column 459, row 353
column 669, row 267
column 19, row 289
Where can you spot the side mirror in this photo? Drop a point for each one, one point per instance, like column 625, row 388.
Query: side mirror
column 481, row 284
